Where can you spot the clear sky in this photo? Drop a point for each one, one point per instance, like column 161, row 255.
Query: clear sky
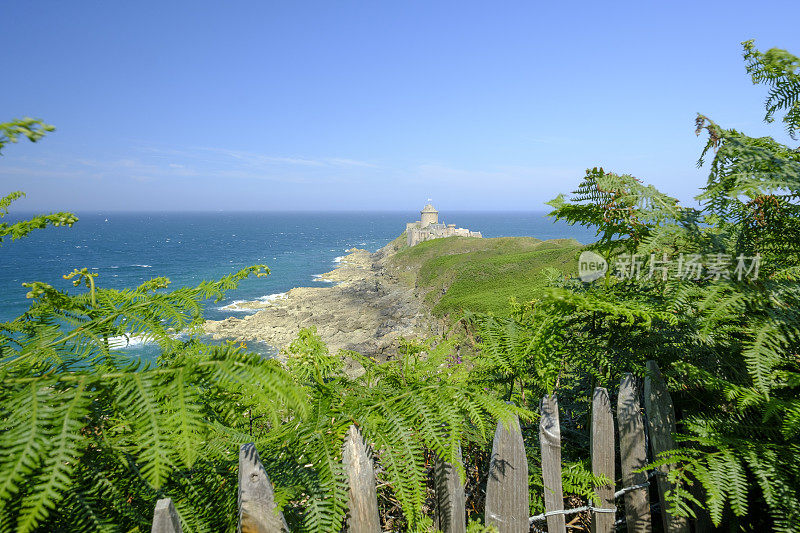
column 341, row 105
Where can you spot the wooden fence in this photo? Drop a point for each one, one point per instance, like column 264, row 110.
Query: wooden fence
column 507, row 493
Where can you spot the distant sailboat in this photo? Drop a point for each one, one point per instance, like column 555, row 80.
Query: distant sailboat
column 106, row 220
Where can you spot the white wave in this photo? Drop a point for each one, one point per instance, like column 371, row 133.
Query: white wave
column 143, row 266
column 233, row 307
column 320, row 279
column 122, row 342
column 272, row 297
column 267, row 299
column 339, row 259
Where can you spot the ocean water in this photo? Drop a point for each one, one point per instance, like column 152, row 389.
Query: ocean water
column 127, row 249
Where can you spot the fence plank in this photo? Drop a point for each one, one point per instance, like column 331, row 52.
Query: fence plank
column 362, row 505
column 507, row 485
column 602, row 449
column 661, row 421
column 633, row 456
column 257, row 509
column 550, row 442
column 451, row 514
column 165, row 518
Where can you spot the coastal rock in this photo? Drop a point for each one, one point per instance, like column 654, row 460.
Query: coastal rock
column 366, row 311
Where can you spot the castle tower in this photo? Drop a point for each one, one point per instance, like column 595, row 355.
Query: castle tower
column 428, row 215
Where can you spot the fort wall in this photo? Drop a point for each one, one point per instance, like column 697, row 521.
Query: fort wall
column 428, row 227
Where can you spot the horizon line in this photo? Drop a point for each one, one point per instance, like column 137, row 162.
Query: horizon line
column 254, row 211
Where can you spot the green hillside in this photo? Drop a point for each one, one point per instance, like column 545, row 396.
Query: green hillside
column 459, row 273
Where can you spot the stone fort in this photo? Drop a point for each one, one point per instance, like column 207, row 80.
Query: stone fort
column 428, row 227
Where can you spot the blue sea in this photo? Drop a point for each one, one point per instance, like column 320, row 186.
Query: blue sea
column 126, row 249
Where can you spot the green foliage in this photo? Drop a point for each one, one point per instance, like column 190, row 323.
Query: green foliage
column 308, row 357
column 100, row 436
column 32, row 129
column 751, row 439
column 728, row 346
column 781, row 71
column 71, row 405
column 475, row 526
column 90, row 438
column 623, row 210
column 425, row 400
column 524, row 348
column 87, row 431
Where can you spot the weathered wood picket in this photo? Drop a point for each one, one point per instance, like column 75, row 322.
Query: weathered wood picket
column 661, row 419
column 507, row 483
column 633, row 456
column 550, row 442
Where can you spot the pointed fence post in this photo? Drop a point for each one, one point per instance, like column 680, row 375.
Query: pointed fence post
column 507, row 502
column 633, row 456
column 257, row 509
column 450, row 515
column 550, row 441
column 661, row 421
column 602, row 446
column 165, row 518
column 362, row 505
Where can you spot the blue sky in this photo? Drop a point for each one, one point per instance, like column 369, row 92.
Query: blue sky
column 370, row 105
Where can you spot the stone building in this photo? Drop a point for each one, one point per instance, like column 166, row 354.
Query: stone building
column 429, row 215
column 428, row 227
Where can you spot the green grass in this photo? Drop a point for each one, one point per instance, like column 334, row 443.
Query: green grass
column 460, row 273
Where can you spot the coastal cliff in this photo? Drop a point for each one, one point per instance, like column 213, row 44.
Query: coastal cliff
column 402, row 291
column 367, row 310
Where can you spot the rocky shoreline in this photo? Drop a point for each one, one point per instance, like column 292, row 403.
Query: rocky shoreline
column 367, row 310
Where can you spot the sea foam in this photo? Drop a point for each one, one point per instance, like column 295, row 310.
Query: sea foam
column 122, row 342
column 267, row 299
column 272, row 297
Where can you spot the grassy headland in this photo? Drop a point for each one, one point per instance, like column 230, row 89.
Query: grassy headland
column 460, row 273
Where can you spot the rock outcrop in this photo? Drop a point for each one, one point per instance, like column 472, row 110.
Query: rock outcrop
column 367, row 310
